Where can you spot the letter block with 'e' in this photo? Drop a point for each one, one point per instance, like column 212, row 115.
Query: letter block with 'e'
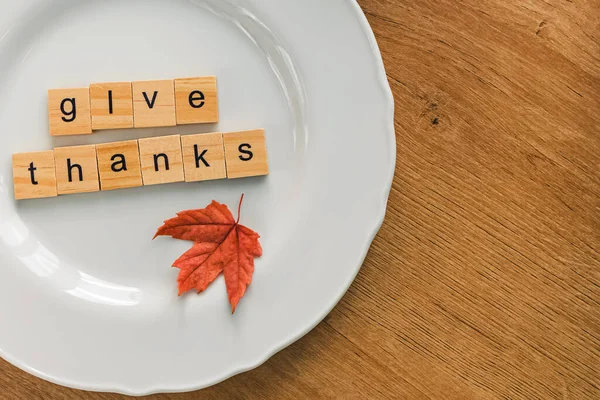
column 196, row 100
column 119, row 165
column 246, row 154
column 69, row 112
column 34, row 175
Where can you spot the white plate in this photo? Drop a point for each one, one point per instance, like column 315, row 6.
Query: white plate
column 87, row 300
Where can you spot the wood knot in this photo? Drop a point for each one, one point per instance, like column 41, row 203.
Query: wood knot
column 434, row 116
column 540, row 28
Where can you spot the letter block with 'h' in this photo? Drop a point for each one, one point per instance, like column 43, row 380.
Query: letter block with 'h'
column 76, row 169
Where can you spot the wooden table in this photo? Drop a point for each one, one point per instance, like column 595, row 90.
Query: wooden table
column 484, row 281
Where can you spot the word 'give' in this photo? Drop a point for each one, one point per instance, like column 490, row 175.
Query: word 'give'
column 143, row 104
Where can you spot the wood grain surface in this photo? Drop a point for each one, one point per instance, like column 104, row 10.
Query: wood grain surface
column 484, row 282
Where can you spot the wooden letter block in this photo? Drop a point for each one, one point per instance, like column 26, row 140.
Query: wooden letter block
column 154, row 104
column 69, row 112
column 76, row 169
column 112, row 105
column 119, row 165
column 203, row 157
column 197, row 100
column 161, row 160
column 33, row 175
column 246, row 154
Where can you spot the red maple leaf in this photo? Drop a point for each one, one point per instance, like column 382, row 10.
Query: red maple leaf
column 221, row 244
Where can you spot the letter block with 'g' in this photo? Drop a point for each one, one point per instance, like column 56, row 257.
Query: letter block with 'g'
column 69, row 112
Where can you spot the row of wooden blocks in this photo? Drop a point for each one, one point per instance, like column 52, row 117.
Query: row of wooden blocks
column 133, row 163
column 142, row 104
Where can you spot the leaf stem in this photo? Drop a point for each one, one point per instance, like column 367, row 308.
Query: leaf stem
column 240, row 209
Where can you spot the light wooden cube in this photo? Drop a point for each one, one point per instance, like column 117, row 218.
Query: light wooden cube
column 161, row 160
column 34, row 175
column 119, row 165
column 69, row 112
column 112, row 105
column 197, row 100
column 76, row 169
column 203, row 157
column 246, row 154
column 154, row 104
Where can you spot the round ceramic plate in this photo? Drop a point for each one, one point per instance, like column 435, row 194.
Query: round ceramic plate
column 87, row 299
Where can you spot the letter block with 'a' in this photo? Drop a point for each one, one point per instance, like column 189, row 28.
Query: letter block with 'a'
column 119, row 165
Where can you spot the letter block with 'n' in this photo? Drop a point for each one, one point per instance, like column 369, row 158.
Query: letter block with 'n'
column 161, row 160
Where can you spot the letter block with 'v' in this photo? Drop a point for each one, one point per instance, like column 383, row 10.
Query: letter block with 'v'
column 154, row 104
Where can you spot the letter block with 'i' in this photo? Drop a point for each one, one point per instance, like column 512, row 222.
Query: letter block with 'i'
column 69, row 112
column 112, row 105
column 34, row 175
column 203, row 157
column 76, row 169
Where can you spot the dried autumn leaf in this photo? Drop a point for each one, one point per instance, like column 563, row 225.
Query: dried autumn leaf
column 221, row 244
